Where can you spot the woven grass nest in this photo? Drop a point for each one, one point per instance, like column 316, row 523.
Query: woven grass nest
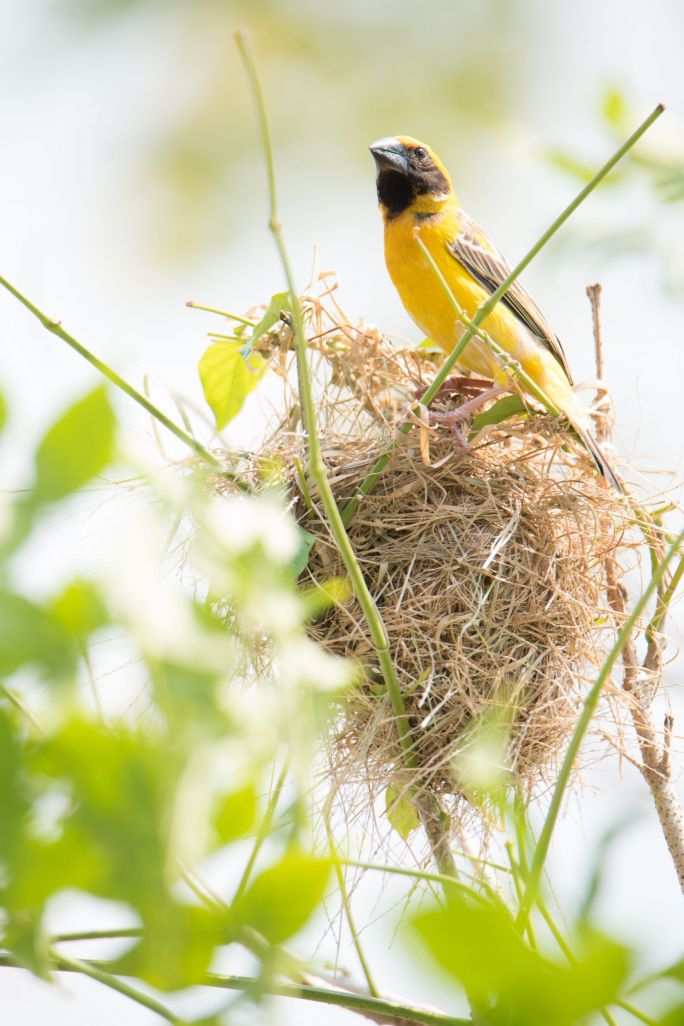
column 488, row 564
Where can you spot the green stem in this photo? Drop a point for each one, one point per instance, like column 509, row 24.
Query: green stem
column 19, row 703
column 530, row 385
column 94, row 972
column 264, row 830
column 420, row 874
column 89, row 935
column 55, row 328
column 588, row 709
column 430, row 812
column 486, row 308
column 222, row 313
column 377, row 1007
column 346, row 905
column 316, row 466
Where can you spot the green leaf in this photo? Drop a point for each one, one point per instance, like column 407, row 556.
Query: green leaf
column 31, row 636
column 301, row 559
column 614, row 108
column 279, row 302
column 234, row 815
column 401, row 812
column 674, row 971
column 282, row 899
column 509, row 406
column 79, row 610
column 475, row 940
column 228, row 378
column 582, row 170
column 77, row 447
column 3, row 411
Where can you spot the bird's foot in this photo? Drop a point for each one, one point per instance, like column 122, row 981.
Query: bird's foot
column 469, row 407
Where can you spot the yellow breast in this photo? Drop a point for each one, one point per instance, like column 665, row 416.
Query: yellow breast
column 429, row 306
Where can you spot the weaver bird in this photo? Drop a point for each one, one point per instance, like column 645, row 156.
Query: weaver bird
column 417, row 201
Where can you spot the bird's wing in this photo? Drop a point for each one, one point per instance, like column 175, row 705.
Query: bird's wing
column 486, row 264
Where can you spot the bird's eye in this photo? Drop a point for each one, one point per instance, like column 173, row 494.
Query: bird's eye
column 420, row 152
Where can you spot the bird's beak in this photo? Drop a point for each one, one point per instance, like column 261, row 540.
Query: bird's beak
column 390, row 155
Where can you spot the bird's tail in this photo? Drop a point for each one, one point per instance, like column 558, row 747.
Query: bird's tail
column 597, row 454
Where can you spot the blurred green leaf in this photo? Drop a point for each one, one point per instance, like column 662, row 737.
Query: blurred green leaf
column 282, row 899
column 79, row 609
column 77, row 447
column 30, row 635
column 3, row 411
column 614, row 108
column 674, row 972
column 582, row 171
column 475, row 940
column 176, row 949
column 228, row 378
column 401, row 812
column 234, row 815
column 509, row 406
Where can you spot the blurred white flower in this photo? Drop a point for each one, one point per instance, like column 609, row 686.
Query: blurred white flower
column 152, row 602
column 305, row 664
column 239, row 523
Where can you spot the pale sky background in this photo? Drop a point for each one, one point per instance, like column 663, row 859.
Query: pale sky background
column 80, row 106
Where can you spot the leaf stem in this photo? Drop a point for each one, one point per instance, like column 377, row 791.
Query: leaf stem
column 486, row 308
column 222, row 313
column 55, row 328
column 588, row 709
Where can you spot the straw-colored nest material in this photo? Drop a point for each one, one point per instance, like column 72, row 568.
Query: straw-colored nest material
column 487, row 566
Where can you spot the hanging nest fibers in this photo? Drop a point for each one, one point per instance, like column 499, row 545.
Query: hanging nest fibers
column 487, row 563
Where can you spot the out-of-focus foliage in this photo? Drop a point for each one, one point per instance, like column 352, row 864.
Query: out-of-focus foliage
column 115, row 807
column 658, row 165
column 337, row 76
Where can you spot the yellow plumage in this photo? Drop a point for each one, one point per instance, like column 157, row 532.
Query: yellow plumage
column 418, row 202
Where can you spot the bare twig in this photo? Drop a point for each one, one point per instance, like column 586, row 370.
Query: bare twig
column 603, row 410
column 640, row 683
column 594, row 293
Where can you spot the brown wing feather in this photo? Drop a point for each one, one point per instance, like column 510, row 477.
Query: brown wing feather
column 485, row 263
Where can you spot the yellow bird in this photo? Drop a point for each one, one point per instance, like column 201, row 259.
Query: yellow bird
column 417, row 201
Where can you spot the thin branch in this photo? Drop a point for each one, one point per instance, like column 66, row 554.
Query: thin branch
column 602, row 412
column 594, row 294
column 222, row 313
column 380, row 1010
column 95, row 972
column 263, row 832
column 55, row 328
column 346, row 905
column 316, row 466
column 90, row 935
column 19, row 703
column 655, row 760
column 588, row 709
column 368, row 484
